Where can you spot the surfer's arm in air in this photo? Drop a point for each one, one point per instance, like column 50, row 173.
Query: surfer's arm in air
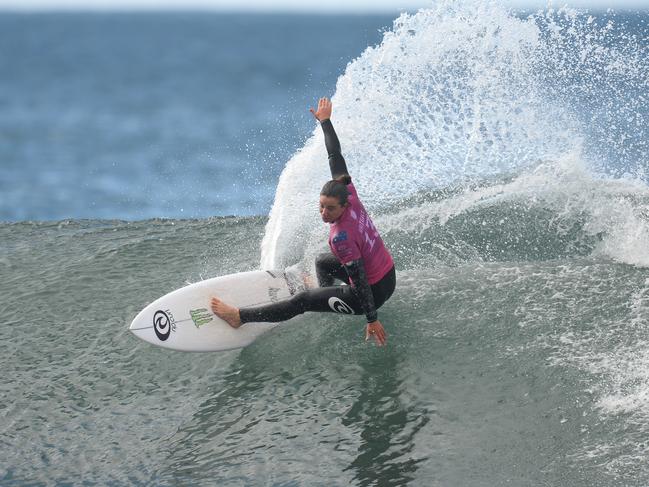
column 356, row 271
column 337, row 163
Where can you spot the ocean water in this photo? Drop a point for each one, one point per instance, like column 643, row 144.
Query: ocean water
column 504, row 159
column 174, row 115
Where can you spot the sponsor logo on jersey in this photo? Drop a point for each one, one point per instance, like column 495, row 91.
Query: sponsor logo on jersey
column 340, row 237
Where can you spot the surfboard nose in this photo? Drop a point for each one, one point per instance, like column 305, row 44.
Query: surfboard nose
column 137, row 332
column 141, row 326
column 133, row 328
column 154, row 324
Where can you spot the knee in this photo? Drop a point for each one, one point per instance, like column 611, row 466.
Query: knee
column 323, row 261
column 324, row 270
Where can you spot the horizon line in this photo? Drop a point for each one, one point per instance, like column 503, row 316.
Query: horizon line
column 273, row 10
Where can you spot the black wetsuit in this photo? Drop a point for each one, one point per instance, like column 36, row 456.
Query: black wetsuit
column 362, row 298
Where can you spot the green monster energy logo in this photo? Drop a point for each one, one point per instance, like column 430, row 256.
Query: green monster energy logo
column 200, row 316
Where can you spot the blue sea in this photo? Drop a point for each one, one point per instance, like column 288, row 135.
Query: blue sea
column 503, row 156
column 161, row 115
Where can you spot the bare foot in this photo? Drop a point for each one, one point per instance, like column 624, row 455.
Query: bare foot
column 227, row 313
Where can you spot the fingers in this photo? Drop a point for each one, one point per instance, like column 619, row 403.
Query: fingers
column 323, row 110
column 380, row 337
column 378, row 332
column 323, row 103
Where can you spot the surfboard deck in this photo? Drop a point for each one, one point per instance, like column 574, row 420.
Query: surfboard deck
column 182, row 320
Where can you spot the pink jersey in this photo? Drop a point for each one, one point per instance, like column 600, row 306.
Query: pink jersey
column 353, row 236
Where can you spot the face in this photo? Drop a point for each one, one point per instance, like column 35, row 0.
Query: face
column 330, row 208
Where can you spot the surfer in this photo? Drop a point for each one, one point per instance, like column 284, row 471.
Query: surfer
column 358, row 256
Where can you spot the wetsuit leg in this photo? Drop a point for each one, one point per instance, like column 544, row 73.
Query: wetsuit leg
column 337, row 299
column 328, row 268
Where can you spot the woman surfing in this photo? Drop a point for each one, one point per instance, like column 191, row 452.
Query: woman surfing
column 358, row 256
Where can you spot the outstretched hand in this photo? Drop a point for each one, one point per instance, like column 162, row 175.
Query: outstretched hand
column 375, row 329
column 324, row 110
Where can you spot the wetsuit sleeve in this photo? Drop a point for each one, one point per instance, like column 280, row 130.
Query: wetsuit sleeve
column 337, row 163
column 356, row 271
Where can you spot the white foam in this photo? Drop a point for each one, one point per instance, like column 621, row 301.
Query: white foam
column 616, row 210
column 447, row 97
column 465, row 93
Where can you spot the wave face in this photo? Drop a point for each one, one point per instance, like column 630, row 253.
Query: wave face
column 532, row 369
column 461, row 97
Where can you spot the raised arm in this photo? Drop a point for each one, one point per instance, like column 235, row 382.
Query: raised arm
column 337, row 163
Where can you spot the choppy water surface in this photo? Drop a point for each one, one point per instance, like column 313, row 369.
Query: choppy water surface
column 521, row 371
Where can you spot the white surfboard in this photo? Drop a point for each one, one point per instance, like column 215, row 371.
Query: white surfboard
column 182, row 320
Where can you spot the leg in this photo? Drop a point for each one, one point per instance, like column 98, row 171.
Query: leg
column 338, row 299
column 329, row 268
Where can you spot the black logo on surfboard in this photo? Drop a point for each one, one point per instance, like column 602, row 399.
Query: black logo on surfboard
column 161, row 325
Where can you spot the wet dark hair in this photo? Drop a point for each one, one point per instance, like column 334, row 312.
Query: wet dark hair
column 336, row 188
